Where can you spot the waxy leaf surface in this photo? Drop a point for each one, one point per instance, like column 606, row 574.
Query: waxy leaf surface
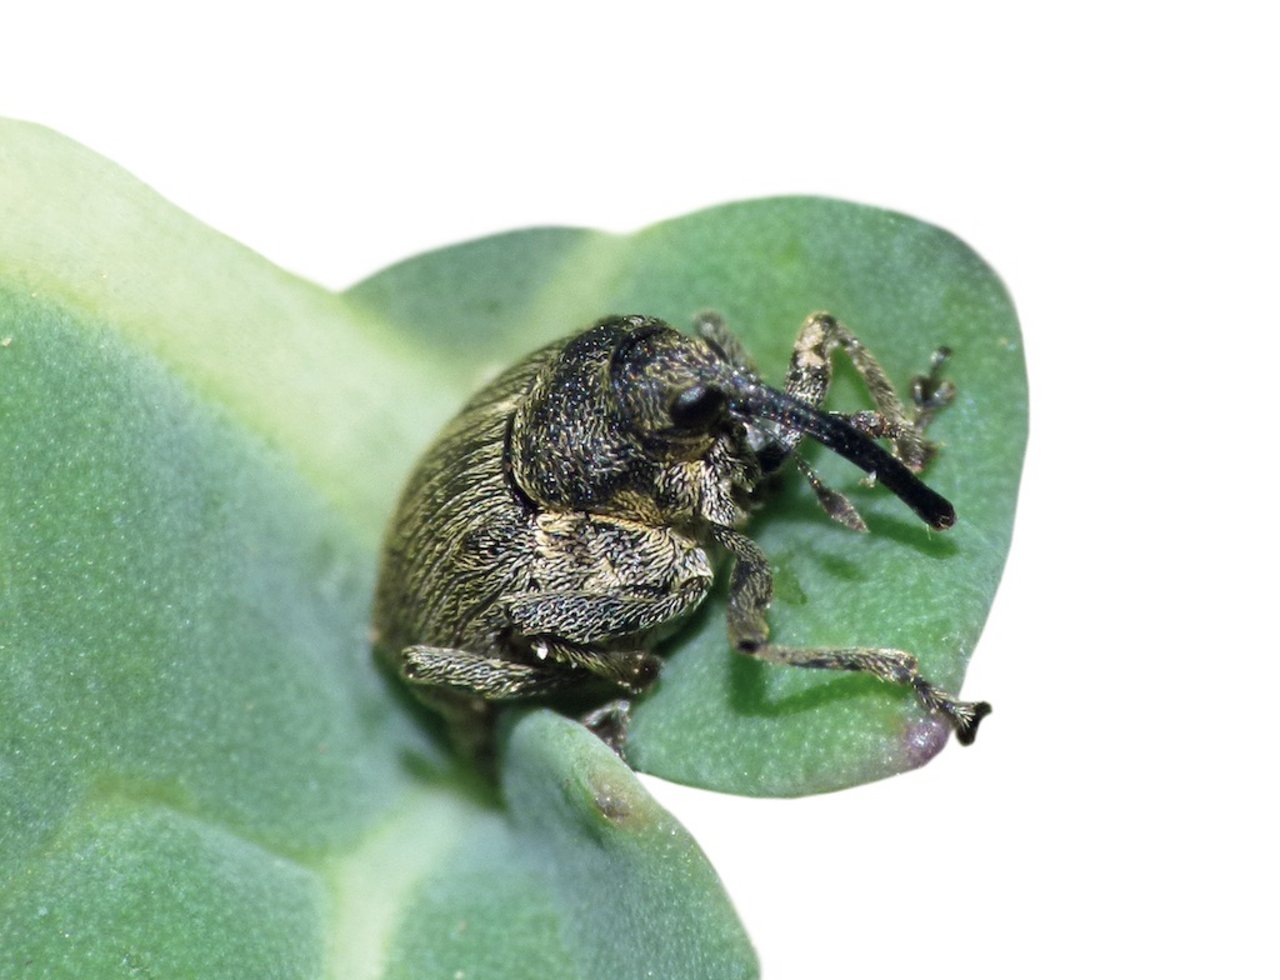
column 201, row 771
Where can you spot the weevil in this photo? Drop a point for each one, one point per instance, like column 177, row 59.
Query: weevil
column 567, row 517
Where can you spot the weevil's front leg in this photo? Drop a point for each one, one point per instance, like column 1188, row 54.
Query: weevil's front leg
column 810, row 375
column 894, row 666
column 750, row 591
column 711, row 327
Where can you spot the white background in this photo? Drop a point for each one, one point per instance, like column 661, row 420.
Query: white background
column 1114, row 162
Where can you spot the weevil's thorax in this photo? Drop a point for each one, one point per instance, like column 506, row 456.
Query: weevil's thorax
column 595, row 431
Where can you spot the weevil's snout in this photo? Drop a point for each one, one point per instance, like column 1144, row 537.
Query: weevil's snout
column 754, row 402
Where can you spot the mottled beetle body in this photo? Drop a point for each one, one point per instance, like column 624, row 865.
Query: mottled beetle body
column 564, row 517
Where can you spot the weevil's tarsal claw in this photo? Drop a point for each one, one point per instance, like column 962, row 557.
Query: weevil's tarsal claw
column 966, row 718
column 838, row 434
column 931, row 391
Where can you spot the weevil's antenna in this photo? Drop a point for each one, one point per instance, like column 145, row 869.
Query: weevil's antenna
column 837, row 434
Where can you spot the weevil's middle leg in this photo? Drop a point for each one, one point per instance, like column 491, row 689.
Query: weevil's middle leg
column 750, row 589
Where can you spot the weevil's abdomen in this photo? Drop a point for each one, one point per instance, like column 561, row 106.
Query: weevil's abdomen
column 462, row 534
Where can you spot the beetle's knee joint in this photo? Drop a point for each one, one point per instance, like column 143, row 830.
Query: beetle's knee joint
column 644, row 672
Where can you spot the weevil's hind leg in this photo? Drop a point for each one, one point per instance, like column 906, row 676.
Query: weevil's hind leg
column 893, row 666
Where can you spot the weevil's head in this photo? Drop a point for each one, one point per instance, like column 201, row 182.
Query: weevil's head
column 638, row 420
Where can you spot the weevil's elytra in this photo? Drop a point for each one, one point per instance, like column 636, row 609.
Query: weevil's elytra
column 561, row 522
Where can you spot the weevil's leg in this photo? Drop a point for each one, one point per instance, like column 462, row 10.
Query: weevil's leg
column 632, row 670
column 710, row 326
column 873, row 424
column 893, row 666
column 931, row 392
column 586, row 617
column 610, row 723
column 750, row 590
column 580, row 628
column 461, row 687
column 810, row 376
column 603, row 585
column 838, row 507
column 491, row 678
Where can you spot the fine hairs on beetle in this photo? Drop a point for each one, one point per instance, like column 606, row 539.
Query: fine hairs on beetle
column 560, row 524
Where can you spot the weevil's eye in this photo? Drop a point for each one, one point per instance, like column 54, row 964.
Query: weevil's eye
column 697, row 408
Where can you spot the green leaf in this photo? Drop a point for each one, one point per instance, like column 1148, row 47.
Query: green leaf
column 201, row 772
column 716, row 719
